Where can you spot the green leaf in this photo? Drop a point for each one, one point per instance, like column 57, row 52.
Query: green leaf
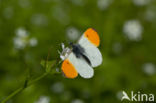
column 48, row 65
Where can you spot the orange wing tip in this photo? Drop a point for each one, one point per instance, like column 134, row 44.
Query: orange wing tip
column 92, row 36
column 68, row 69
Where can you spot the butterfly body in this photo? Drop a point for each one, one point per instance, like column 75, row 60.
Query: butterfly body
column 79, row 52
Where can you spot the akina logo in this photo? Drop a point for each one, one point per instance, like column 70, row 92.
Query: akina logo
column 137, row 96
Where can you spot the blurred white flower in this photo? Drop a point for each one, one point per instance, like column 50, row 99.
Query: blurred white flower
column 39, row 20
column 141, row 2
column 150, row 14
column 57, row 87
column 43, row 99
column 149, row 69
column 103, row 4
column 21, row 32
column 33, row 42
column 77, row 101
column 60, row 15
column 8, row 12
column 133, row 30
column 78, row 2
column 22, row 39
column 72, row 33
column 24, row 3
column 19, row 43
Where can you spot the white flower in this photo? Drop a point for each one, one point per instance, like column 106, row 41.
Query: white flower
column 33, row 42
column 77, row 101
column 21, row 32
column 133, row 30
column 22, row 39
column 43, row 99
column 19, row 43
column 103, row 4
column 72, row 33
column 141, row 2
column 149, row 68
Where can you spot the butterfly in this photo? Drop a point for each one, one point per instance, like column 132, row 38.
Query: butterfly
column 82, row 57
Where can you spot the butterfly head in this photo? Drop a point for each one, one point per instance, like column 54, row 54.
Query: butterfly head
column 65, row 52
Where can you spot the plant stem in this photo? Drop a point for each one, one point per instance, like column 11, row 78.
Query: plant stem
column 22, row 88
column 37, row 79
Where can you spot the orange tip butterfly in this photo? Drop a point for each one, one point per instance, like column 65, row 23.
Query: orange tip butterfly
column 82, row 57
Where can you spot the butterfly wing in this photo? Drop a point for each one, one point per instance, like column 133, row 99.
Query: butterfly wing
column 69, row 69
column 73, row 65
column 90, row 41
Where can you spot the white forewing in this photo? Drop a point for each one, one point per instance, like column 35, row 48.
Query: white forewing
column 91, row 51
column 82, row 67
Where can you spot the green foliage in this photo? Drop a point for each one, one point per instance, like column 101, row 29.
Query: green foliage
column 48, row 65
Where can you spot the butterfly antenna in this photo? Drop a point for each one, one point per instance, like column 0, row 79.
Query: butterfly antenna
column 63, row 46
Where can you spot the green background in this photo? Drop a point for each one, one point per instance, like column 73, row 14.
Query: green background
column 48, row 21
